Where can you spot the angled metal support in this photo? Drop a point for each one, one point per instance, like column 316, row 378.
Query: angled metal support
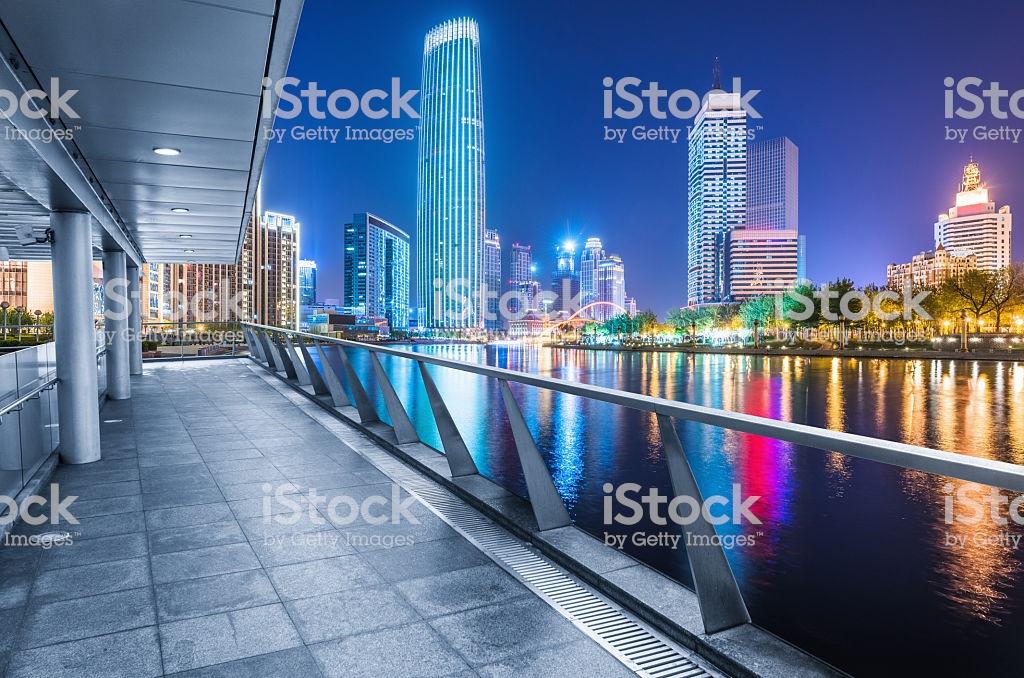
column 338, row 394
column 284, row 357
column 366, row 412
column 255, row 347
column 721, row 603
column 300, row 370
column 317, row 381
column 460, row 461
column 273, row 360
column 548, row 508
column 404, row 430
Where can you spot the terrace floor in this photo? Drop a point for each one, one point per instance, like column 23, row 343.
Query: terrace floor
column 172, row 569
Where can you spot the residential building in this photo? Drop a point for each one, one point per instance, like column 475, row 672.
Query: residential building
column 492, row 280
column 565, row 281
column 610, row 287
column 929, row 269
column 520, row 278
column 592, row 254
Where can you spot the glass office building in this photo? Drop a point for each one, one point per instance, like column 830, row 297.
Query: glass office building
column 377, row 270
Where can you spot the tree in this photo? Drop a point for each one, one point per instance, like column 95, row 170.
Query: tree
column 645, row 322
column 760, row 309
column 973, row 291
column 1009, row 290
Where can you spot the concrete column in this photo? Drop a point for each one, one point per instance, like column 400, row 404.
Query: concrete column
column 135, row 321
column 115, row 284
column 75, row 337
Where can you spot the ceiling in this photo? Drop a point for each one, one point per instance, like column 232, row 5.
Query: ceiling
column 177, row 74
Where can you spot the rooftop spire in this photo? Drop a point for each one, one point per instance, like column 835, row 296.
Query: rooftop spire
column 972, row 176
column 718, row 76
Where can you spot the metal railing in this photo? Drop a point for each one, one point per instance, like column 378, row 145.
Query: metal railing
column 721, row 603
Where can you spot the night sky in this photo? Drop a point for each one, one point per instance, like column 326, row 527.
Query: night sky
column 859, row 89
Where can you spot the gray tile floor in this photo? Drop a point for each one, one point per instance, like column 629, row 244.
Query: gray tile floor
column 173, row 571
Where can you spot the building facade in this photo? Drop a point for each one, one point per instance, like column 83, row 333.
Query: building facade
column 565, row 281
column 610, row 287
column 492, row 280
column 773, row 192
column 716, row 192
column 451, row 193
column 377, row 270
column 593, row 253
column 307, row 282
column 929, row 269
column 974, row 226
column 520, row 278
column 762, row 262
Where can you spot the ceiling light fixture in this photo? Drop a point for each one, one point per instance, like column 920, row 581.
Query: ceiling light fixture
column 163, row 150
column 180, row 210
column 189, row 251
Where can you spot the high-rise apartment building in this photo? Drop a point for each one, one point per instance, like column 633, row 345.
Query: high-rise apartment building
column 270, row 277
column 716, row 192
column 451, row 194
column 974, row 226
column 492, row 279
column 773, row 195
column 762, row 262
column 589, row 259
column 377, row 270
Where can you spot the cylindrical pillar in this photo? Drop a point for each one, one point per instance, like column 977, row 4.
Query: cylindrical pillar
column 75, row 337
column 135, row 321
column 115, row 319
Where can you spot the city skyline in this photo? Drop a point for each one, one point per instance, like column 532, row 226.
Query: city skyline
column 548, row 165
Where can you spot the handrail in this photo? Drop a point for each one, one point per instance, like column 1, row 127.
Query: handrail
column 971, row 469
column 16, row 404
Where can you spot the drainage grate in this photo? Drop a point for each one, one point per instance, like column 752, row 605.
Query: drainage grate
column 631, row 643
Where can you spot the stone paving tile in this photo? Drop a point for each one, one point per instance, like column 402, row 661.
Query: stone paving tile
column 407, row 650
column 90, row 580
column 131, row 654
column 294, row 662
column 203, row 562
column 213, row 595
column 349, row 612
column 78, row 618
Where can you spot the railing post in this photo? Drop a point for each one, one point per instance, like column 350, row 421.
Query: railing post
column 273, row 360
column 366, row 412
column 404, row 430
column 286, row 360
column 300, row 370
column 317, row 381
column 338, row 394
column 460, row 461
column 255, row 348
column 721, row 603
column 548, row 508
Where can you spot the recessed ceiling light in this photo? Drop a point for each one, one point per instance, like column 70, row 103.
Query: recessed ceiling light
column 184, row 235
column 179, row 210
column 189, row 251
column 163, row 150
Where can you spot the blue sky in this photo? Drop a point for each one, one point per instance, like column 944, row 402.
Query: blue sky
column 859, row 89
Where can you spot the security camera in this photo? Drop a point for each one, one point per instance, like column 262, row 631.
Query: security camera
column 26, row 234
column 5, row 254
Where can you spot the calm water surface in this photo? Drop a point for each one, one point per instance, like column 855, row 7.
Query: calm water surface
column 851, row 562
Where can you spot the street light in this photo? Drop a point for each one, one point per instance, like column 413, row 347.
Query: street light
column 5, row 305
column 37, row 314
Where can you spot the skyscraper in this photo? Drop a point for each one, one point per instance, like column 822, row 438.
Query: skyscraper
column 492, row 279
column 451, row 195
column 307, row 282
column 377, row 270
column 565, row 281
column 592, row 254
column 716, row 191
column 610, row 283
column 762, row 261
column 773, row 195
column 520, row 278
column 973, row 226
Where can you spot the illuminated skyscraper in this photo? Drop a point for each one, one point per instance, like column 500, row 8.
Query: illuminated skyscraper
column 611, row 287
column 520, row 277
column 377, row 270
column 451, row 195
column 773, row 195
column 717, row 192
column 973, row 226
column 307, row 282
column 492, row 278
column 565, row 281
column 592, row 255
